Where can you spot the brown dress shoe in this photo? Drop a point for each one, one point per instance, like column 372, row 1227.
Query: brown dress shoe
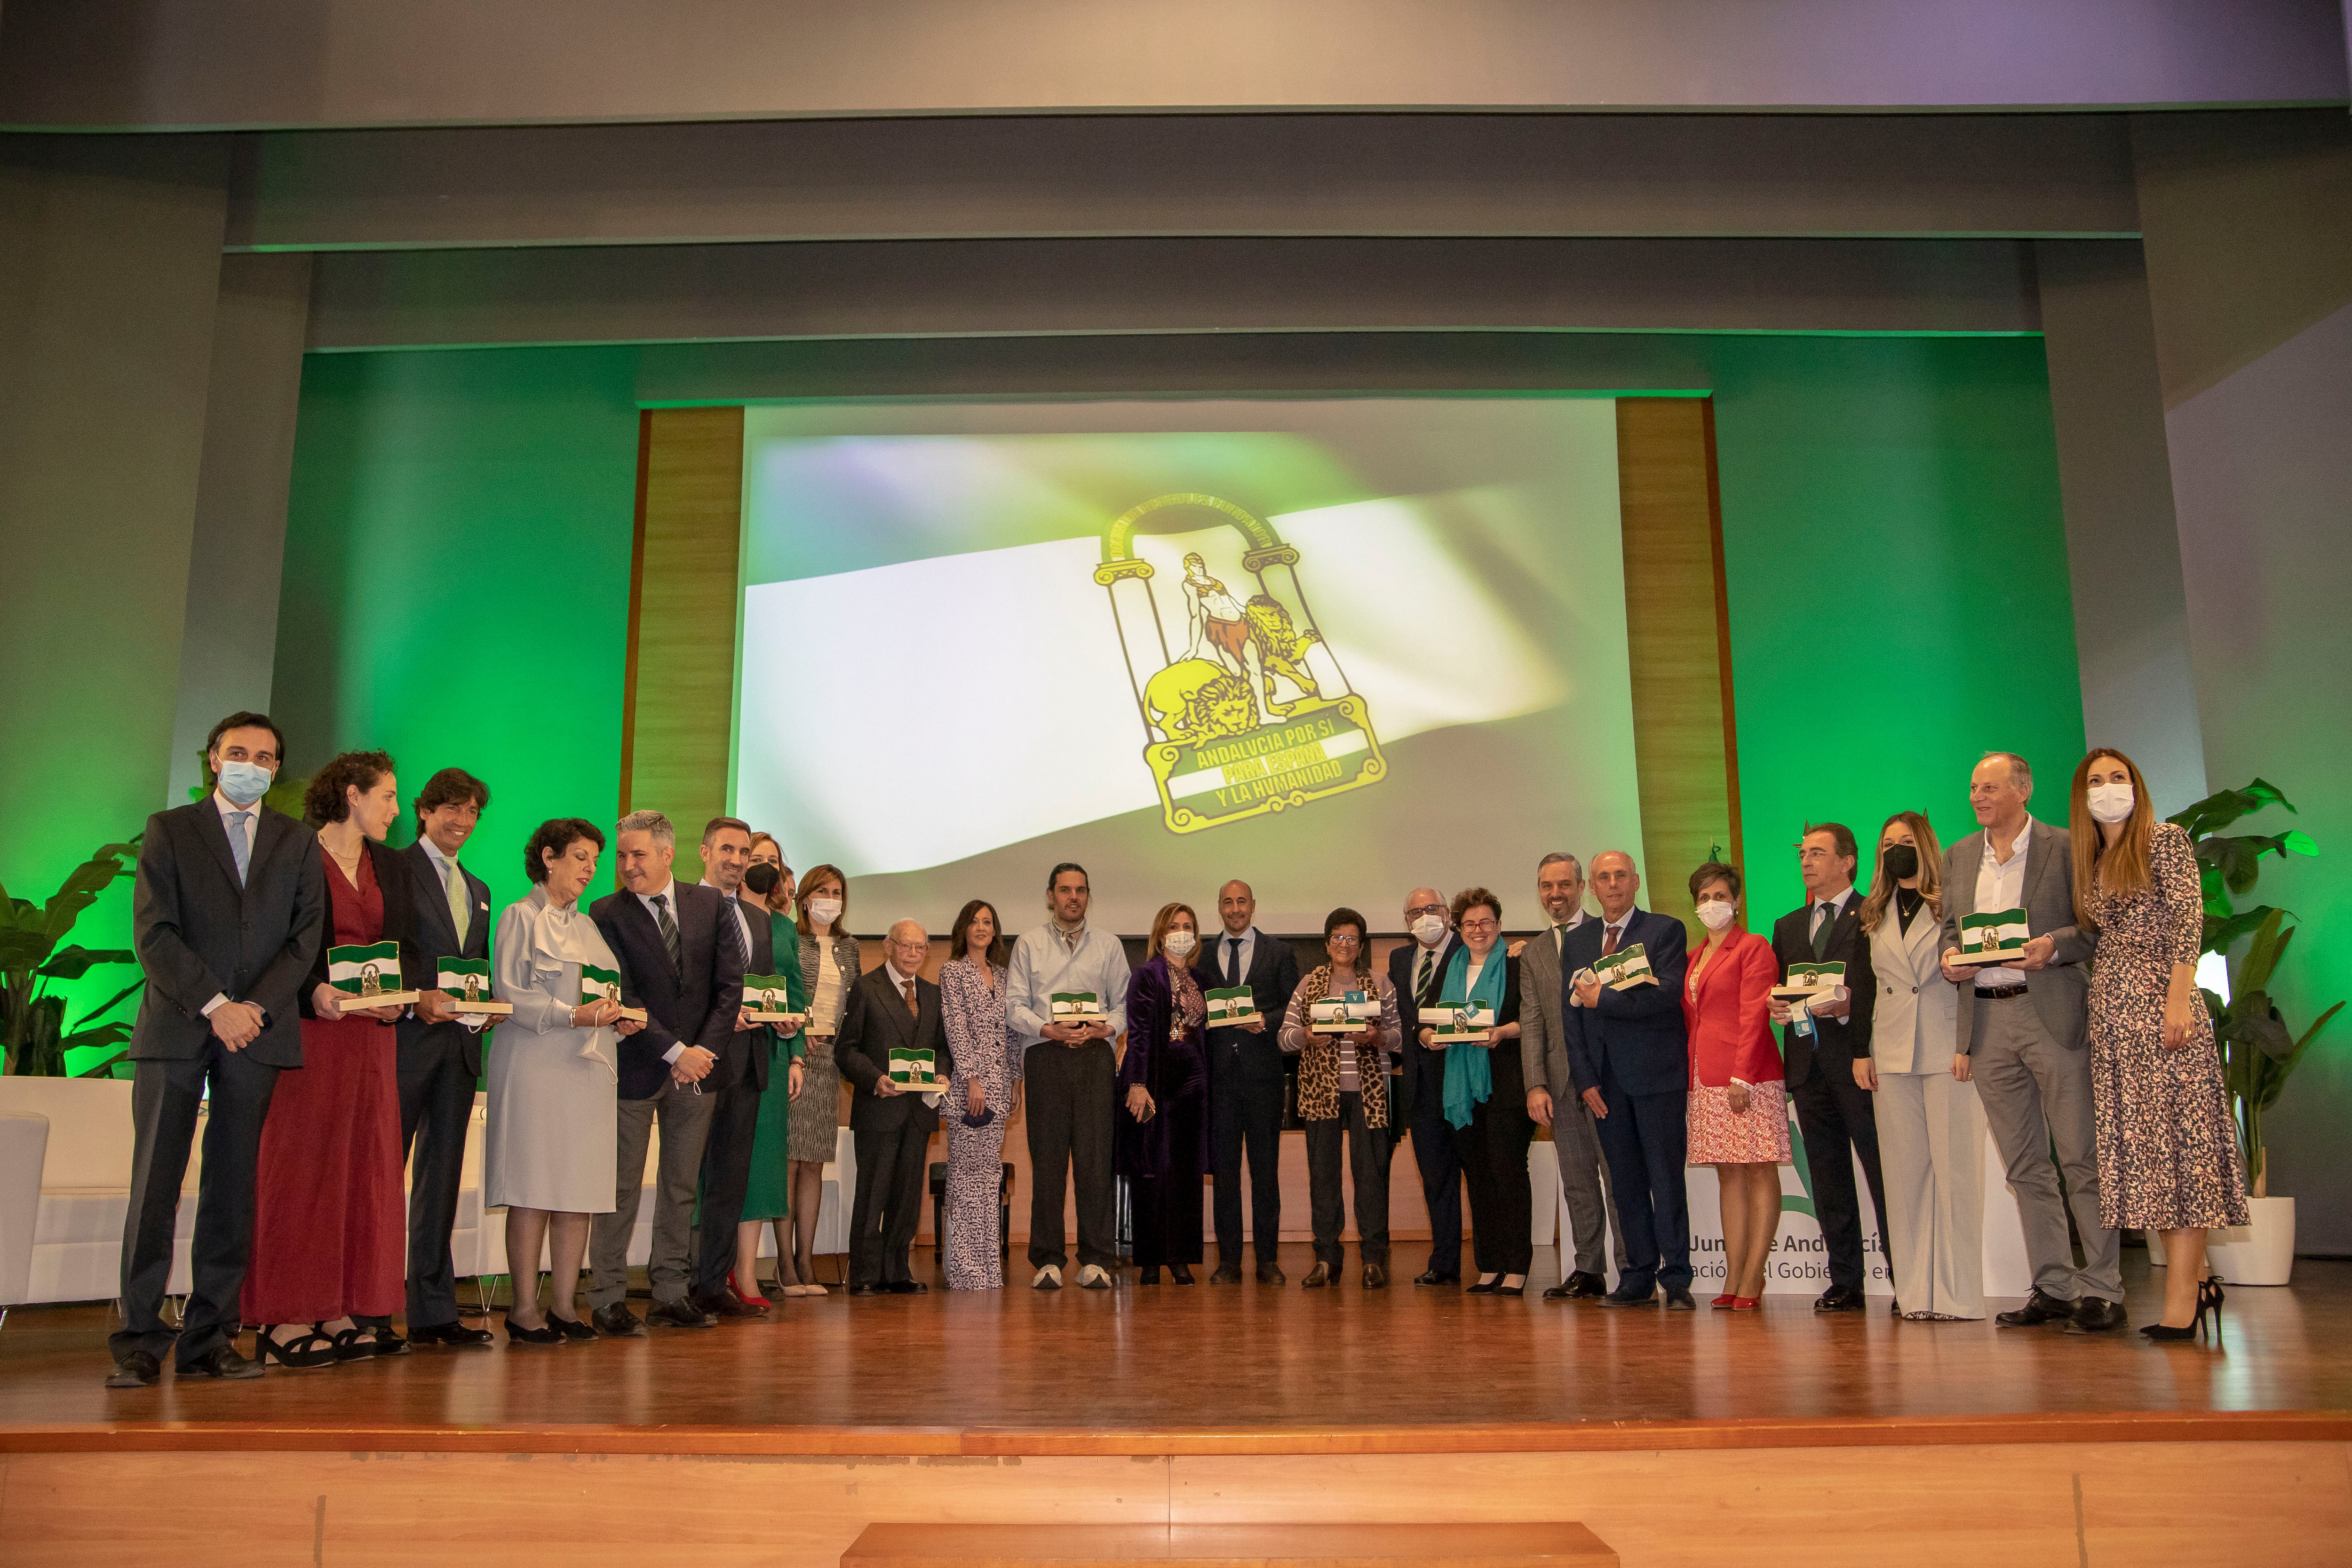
column 1272, row 1274
column 1317, row 1277
column 1376, row 1277
column 1227, row 1273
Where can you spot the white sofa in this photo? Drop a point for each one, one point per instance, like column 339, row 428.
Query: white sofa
column 86, row 1187
column 23, row 1143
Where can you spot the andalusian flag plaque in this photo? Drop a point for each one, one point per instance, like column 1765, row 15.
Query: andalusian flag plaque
column 916, row 1072
column 767, row 1000
column 1997, row 936
column 605, row 985
column 1809, row 982
column 1077, row 1007
column 368, row 976
column 1231, row 1007
column 1349, row 1015
column 1625, row 968
column 1457, row 1021
column 467, row 981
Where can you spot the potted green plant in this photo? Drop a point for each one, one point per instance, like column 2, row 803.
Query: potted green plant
column 38, row 1040
column 2259, row 1051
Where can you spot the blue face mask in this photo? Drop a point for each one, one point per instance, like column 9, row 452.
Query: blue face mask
column 244, row 782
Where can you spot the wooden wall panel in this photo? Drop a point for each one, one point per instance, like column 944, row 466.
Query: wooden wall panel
column 682, row 605
column 1679, row 640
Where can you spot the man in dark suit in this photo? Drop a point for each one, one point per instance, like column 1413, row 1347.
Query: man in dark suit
column 1417, row 971
column 1246, row 1073
column 1629, row 1055
column 743, row 1072
column 227, row 916
column 440, row 1059
column 893, row 1006
column 682, row 959
column 1834, row 1111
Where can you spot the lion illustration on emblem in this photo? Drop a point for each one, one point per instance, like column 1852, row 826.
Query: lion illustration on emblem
column 1196, row 700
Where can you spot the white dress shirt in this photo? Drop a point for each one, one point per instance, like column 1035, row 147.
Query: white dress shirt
column 2000, row 885
column 1837, row 908
column 1248, row 954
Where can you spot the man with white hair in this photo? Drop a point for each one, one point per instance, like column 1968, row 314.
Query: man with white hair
column 891, row 1039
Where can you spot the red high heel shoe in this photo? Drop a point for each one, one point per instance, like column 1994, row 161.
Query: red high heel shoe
column 751, row 1298
column 1723, row 1300
column 1745, row 1303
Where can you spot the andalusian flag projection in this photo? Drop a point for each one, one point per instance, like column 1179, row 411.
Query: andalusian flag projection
column 1337, row 649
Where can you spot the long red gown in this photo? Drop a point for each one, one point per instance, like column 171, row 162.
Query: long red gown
column 330, row 1227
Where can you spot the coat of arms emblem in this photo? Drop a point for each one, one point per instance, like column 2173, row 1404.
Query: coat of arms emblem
column 1252, row 712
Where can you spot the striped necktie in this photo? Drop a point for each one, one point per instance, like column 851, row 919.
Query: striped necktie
column 668, row 929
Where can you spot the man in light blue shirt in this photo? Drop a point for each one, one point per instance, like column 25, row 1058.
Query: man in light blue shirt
column 1068, row 1073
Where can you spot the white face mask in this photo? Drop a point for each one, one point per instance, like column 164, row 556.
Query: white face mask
column 825, row 911
column 1430, row 929
column 1714, row 914
column 2111, row 801
column 1179, row 943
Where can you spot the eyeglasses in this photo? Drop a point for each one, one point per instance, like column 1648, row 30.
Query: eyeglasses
column 1344, row 940
column 1426, row 910
column 1469, row 925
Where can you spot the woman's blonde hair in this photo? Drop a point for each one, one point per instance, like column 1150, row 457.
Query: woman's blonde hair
column 1163, row 920
column 1931, row 869
column 2116, row 871
column 818, row 876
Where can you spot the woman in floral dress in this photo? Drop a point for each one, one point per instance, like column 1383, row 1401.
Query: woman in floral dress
column 980, row 1089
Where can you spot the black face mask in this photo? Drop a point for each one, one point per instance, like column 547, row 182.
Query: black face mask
column 762, row 878
column 1902, row 860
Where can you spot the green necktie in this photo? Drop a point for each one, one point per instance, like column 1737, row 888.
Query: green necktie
column 1821, row 931
column 453, row 883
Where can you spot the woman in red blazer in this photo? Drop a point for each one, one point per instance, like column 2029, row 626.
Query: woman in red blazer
column 1738, row 1104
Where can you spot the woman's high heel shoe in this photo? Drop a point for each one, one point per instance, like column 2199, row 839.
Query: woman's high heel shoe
column 1723, row 1300
column 1180, row 1272
column 2209, row 1298
column 572, row 1329
column 545, row 1334
column 352, row 1343
column 1149, row 1276
column 312, row 1351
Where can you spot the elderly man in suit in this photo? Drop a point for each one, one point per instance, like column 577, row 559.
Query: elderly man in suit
column 1246, row 1074
column 681, row 957
column 1417, row 970
column 440, row 1060
column 226, row 915
column 891, row 1007
column 2024, row 1036
column 1629, row 1056
column 1553, row 1099
column 1832, row 1109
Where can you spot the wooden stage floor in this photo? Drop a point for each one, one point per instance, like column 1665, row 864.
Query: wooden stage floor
column 1109, row 1370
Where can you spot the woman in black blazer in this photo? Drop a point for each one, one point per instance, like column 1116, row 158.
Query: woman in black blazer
column 1492, row 1128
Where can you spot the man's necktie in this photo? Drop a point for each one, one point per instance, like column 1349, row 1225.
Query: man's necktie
column 912, row 1009
column 1824, row 917
column 454, row 886
column 668, row 928
column 1609, row 940
column 239, row 844
column 1232, row 961
column 1421, row 974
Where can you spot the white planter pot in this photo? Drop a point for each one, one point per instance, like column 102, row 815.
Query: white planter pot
column 2262, row 1253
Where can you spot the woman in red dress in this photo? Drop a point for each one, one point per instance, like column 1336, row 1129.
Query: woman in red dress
column 1738, row 1100
column 328, row 1224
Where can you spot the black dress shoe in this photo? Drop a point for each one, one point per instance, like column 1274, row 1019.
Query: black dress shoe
column 1484, row 1286
column 2039, row 1308
column 2095, row 1315
column 725, row 1303
column 1434, row 1278
column 570, row 1327
column 1624, row 1297
column 221, row 1361
column 1841, row 1299
column 1678, row 1299
column 905, row 1287
column 545, row 1334
column 456, row 1336
column 1272, row 1274
column 1227, row 1273
column 616, row 1321
column 1147, row 1275
column 137, row 1370
column 1583, row 1286
column 679, row 1313
column 863, row 1290
column 1181, row 1273
column 1317, row 1277
column 1376, row 1276
column 386, row 1339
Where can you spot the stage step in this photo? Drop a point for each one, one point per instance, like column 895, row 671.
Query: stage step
column 1555, row 1545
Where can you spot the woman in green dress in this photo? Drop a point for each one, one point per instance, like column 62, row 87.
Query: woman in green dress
column 768, row 1200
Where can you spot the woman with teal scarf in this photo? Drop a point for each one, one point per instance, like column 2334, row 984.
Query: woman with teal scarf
column 768, row 1200
column 1486, row 1100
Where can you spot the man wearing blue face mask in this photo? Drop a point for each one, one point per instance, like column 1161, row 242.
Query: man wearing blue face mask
column 226, row 915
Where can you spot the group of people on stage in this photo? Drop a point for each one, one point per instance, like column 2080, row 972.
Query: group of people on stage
column 1156, row 1075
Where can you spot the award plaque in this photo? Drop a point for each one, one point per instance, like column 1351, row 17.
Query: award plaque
column 368, row 976
column 467, row 982
column 1809, row 982
column 605, row 985
column 1998, row 936
column 1622, row 970
column 1231, row 1007
column 767, row 1000
column 916, row 1072
column 1078, row 1007
column 1349, row 1015
column 1458, row 1021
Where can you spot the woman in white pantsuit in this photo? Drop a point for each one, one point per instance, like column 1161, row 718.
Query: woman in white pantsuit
column 1931, row 1126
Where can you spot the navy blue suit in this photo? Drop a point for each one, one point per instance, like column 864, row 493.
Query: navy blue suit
column 1433, row 1149
column 1246, row 1074
column 439, row 1065
column 1633, row 1047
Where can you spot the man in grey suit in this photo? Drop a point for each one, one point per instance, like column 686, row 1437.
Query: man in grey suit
column 227, row 916
column 2024, row 1040
column 1552, row 1098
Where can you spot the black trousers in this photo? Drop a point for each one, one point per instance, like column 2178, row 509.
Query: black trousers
column 1834, row 1114
column 1646, row 1138
column 1367, row 1150
column 436, row 1105
column 165, row 1097
column 1439, row 1157
column 1165, row 1209
column 1068, row 1109
column 1245, row 1119
column 1494, row 1150
column 726, row 1177
column 888, row 1205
